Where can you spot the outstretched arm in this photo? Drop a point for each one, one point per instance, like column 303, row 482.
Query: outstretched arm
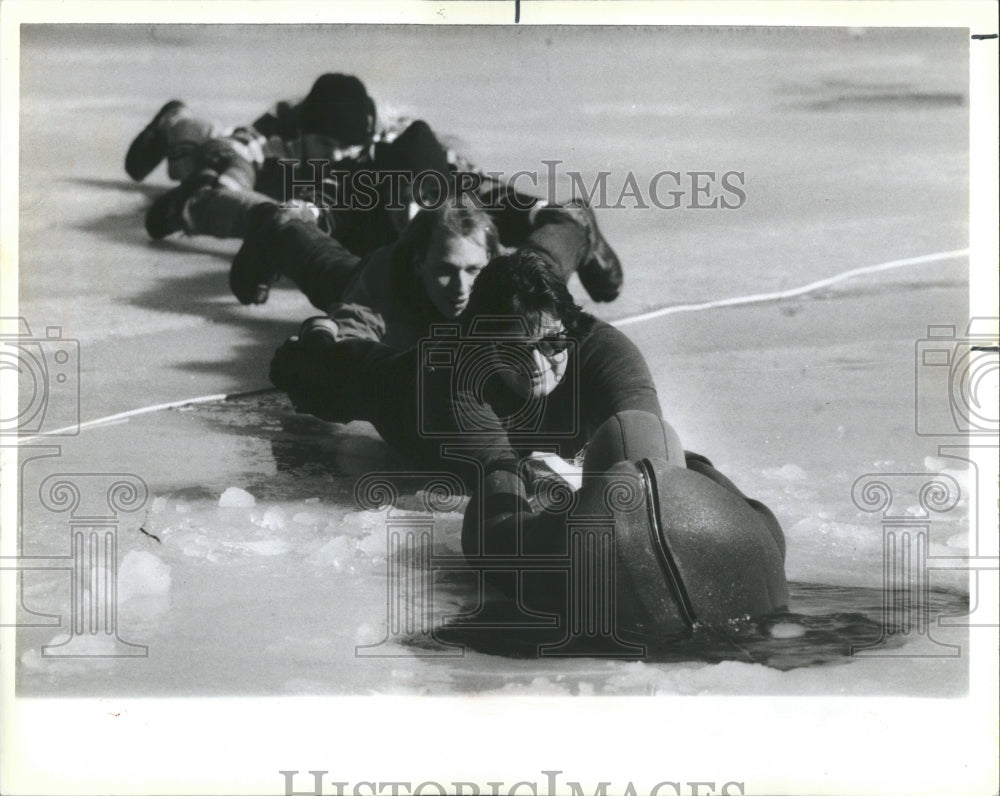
column 337, row 381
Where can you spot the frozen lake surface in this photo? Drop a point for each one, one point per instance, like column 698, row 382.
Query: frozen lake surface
column 853, row 151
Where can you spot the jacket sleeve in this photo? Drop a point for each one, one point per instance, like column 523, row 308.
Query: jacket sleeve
column 372, row 306
column 357, row 322
column 340, row 381
column 499, row 521
column 457, row 422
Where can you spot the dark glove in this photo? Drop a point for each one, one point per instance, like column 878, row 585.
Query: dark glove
column 286, row 364
column 297, row 370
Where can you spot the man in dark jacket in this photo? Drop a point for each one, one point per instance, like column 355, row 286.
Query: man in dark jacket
column 306, row 154
column 396, row 293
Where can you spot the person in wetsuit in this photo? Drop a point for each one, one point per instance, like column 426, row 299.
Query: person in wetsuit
column 526, row 370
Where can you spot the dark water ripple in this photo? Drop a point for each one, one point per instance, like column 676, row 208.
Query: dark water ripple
column 826, row 625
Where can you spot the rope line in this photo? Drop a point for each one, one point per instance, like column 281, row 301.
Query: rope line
column 795, row 291
column 646, row 316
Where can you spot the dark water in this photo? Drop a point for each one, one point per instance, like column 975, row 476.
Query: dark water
column 824, row 625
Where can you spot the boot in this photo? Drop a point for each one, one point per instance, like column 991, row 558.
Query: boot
column 166, row 215
column 285, row 240
column 150, row 146
column 600, row 271
column 254, row 270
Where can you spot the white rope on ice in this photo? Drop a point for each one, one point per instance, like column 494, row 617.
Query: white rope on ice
column 646, row 316
column 144, row 410
column 791, row 292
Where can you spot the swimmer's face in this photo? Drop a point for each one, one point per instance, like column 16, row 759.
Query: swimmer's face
column 537, row 364
column 449, row 268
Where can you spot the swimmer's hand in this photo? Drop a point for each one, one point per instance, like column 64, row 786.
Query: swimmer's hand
column 569, row 473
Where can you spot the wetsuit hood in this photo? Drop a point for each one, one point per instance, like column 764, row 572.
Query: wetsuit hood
column 688, row 549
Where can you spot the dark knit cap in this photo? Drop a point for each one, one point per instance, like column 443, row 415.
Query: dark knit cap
column 339, row 106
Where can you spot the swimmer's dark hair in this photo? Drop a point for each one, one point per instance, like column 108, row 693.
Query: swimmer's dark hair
column 452, row 219
column 523, row 285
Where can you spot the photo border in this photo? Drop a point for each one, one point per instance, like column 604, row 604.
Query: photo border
column 771, row 744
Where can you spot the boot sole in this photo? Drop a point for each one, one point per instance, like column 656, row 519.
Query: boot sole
column 139, row 160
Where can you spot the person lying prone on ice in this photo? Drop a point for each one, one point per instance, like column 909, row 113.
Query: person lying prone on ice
column 526, row 370
column 396, row 293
